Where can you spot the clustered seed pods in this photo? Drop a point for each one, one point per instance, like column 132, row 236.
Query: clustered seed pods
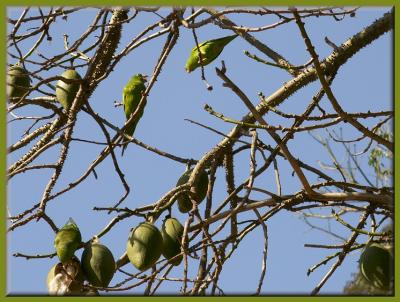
column 146, row 243
column 97, row 265
column 18, row 84
column 144, row 247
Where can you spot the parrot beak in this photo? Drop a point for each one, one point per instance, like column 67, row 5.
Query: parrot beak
column 145, row 77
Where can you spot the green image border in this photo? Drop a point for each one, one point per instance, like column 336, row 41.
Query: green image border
column 3, row 189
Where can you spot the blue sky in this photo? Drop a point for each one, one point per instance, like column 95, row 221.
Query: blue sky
column 364, row 82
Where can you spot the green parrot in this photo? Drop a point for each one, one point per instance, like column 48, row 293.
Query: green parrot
column 209, row 50
column 67, row 241
column 131, row 96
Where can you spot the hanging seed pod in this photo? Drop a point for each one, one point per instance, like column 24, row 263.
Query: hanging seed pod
column 65, row 279
column 18, row 83
column 144, row 246
column 172, row 232
column 376, row 265
column 184, row 202
column 66, row 92
column 98, row 264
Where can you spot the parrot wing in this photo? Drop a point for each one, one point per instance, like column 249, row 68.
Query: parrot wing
column 127, row 96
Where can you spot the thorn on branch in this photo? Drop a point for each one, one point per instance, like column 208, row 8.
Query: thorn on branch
column 331, row 44
column 223, row 68
column 95, row 174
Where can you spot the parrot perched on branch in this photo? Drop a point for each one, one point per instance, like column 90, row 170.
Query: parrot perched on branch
column 131, row 97
column 67, row 241
column 209, row 50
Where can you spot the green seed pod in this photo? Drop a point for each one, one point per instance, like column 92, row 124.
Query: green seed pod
column 66, row 92
column 172, row 232
column 61, row 283
column 18, row 82
column 144, row 246
column 376, row 265
column 184, row 203
column 98, row 264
